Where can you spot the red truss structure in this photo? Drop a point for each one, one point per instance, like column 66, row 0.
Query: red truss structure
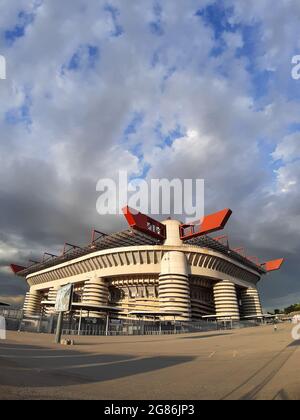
column 17, row 268
column 210, row 223
column 48, row 256
column 96, row 237
column 240, row 251
column 254, row 259
column 273, row 265
column 224, row 240
column 69, row 248
column 145, row 224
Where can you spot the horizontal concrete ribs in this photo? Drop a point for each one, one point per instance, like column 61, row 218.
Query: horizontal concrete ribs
column 52, row 294
column 32, row 304
column 95, row 292
column 226, row 302
column 174, row 288
column 251, row 304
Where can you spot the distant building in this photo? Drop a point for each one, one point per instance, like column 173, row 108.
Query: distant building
column 153, row 269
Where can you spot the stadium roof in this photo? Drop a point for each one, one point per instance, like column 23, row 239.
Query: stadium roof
column 143, row 230
column 116, row 240
column 208, row 242
column 126, row 238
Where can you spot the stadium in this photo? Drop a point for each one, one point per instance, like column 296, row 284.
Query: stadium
column 155, row 270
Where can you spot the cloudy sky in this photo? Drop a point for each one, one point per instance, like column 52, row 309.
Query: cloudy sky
column 172, row 88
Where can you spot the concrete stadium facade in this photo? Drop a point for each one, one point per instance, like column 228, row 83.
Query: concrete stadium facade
column 165, row 280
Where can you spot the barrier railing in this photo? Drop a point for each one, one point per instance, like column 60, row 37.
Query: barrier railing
column 40, row 324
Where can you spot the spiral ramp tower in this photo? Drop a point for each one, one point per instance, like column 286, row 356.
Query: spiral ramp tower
column 226, row 302
column 95, row 292
column 32, row 304
column 50, row 309
column 251, row 304
column 174, row 289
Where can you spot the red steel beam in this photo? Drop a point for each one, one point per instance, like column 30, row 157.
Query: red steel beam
column 273, row 265
column 34, row 262
column 222, row 239
column 254, row 259
column 69, row 247
column 47, row 256
column 96, row 235
column 210, row 223
column 144, row 223
column 16, row 268
column 240, row 251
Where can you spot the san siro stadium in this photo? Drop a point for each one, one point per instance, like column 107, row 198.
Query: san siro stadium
column 155, row 270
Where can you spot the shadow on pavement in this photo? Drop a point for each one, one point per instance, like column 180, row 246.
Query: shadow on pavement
column 57, row 368
column 294, row 343
column 282, row 395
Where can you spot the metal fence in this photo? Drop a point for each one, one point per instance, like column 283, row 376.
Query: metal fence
column 11, row 313
column 16, row 321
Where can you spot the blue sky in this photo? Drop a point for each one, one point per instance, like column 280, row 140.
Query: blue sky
column 189, row 89
column 23, row 20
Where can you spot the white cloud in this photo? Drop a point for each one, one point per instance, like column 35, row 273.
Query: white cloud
column 289, row 148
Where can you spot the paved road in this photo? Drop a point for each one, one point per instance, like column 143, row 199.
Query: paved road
column 254, row 363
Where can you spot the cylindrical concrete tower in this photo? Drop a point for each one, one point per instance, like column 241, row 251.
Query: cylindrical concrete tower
column 52, row 294
column 226, row 301
column 251, row 305
column 95, row 292
column 172, row 233
column 174, row 288
column 32, row 304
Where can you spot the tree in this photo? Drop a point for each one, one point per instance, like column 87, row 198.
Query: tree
column 292, row 308
column 277, row 311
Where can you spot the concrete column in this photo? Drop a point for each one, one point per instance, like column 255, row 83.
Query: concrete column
column 251, row 305
column 172, row 233
column 174, row 288
column 95, row 292
column 226, row 301
column 32, row 304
